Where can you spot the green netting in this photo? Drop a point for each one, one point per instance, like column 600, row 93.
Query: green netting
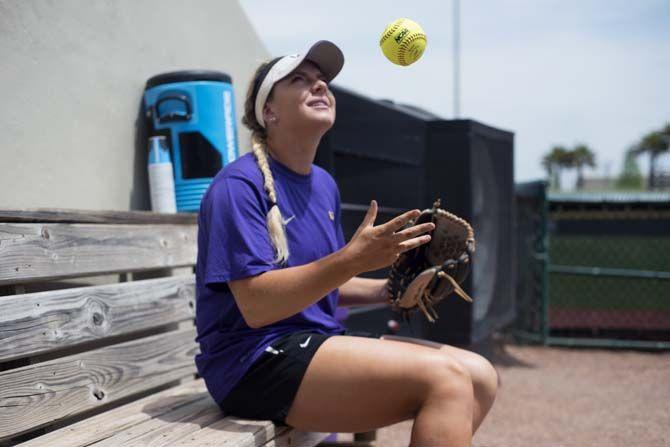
column 591, row 288
column 636, row 252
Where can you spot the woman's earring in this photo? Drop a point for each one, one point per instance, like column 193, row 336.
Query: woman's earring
column 273, row 119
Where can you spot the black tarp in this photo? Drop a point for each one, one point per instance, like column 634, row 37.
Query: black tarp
column 405, row 157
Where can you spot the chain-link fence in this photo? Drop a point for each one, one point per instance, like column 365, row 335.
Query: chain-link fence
column 532, row 273
column 594, row 270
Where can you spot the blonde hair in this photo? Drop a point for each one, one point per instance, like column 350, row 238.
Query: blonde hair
column 274, row 220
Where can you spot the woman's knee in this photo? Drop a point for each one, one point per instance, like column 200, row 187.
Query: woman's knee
column 446, row 375
column 483, row 374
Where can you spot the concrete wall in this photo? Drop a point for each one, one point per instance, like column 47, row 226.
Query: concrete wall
column 72, row 76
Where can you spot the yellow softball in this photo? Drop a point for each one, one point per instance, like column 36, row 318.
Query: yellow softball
column 403, row 41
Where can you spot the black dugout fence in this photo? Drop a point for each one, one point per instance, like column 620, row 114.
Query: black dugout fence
column 405, row 158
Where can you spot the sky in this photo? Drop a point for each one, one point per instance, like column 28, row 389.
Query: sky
column 552, row 72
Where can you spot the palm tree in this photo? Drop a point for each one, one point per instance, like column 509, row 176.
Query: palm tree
column 630, row 177
column 555, row 160
column 654, row 143
column 582, row 156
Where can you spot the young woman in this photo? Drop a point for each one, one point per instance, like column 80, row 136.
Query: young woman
column 273, row 266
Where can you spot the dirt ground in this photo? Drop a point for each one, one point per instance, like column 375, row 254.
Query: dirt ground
column 564, row 397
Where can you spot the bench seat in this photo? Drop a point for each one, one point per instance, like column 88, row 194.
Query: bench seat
column 97, row 335
column 184, row 415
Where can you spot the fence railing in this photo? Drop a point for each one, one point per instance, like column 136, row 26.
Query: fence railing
column 594, row 270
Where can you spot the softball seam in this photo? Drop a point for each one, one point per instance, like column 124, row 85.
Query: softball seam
column 391, row 30
column 402, row 48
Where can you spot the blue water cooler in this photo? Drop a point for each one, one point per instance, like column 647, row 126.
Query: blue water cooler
column 195, row 110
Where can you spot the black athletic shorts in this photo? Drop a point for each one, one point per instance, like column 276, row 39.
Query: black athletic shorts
column 267, row 390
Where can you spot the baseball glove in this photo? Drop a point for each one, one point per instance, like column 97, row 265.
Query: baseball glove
column 425, row 275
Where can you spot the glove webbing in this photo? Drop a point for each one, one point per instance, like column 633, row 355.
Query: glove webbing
column 457, row 288
column 428, row 305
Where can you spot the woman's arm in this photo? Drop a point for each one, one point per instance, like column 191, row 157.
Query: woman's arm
column 362, row 291
column 318, row 279
column 278, row 294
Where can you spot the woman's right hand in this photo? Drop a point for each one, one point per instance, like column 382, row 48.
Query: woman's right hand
column 375, row 247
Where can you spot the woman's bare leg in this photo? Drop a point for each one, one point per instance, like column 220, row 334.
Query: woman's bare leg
column 357, row 384
column 485, row 379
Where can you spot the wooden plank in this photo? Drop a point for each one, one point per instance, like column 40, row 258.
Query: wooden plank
column 30, row 252
column 173, row 417
column 167, row 428
column 298, row 438
column 235, row 432
column 37, row 323
column 35, row 395
column 104, row 425
column 184, row 415
column 65, row 215
column 347, row 444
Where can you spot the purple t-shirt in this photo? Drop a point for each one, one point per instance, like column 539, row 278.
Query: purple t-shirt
column 233, row 243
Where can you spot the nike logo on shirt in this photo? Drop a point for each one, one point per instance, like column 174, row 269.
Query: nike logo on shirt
column 288, row 220
column 304, row 345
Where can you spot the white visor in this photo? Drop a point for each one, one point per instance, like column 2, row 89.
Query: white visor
column 323, row 53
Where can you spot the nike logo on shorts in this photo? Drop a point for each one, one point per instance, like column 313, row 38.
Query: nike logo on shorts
column 304, row 345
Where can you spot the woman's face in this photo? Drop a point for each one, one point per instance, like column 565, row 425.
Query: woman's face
column 301, row 99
